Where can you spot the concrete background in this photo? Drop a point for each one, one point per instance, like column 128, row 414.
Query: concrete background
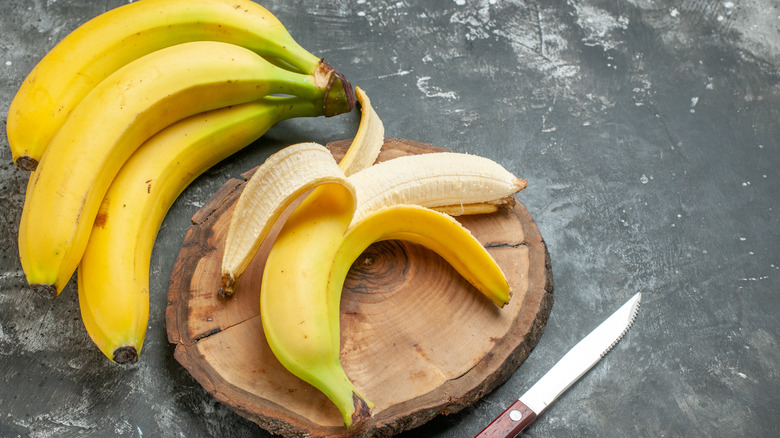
column 648, row 133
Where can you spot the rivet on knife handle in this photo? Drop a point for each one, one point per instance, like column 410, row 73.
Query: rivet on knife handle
column 510, row 423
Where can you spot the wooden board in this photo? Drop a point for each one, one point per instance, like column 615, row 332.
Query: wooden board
column 417, row 339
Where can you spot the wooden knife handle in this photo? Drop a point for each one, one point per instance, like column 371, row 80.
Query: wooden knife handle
column 510, row 423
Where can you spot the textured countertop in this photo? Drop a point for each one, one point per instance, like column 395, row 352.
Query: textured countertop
column 648, row 133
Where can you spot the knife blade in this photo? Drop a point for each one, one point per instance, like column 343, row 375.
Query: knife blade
column 573, row 365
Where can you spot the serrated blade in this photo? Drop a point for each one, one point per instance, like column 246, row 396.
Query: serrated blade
column 563, row 374
column 582, row 357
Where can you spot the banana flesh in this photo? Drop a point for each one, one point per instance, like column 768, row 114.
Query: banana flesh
column 109, row 41
column 135, row 102
column 441, row 179
column 113, row 277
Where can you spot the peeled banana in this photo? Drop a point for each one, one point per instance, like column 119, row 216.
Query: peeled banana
column 111, row 40
column 441, row 179
column 113, row 277
column 135, row 102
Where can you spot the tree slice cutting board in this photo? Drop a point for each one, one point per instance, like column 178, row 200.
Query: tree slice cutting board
column 417, row 339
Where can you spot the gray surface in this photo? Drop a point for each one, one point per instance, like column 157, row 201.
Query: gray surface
column 647, row 130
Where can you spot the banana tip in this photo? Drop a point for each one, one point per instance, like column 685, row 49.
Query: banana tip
column 521, row 184
column 126, row 355
column 362, row 409
column 228, row 284
column 26, row 163
column 47, row 290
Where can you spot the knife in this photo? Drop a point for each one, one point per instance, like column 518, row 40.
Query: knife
column 563, row 374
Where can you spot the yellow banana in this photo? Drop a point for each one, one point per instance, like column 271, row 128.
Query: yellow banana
column 293, row 303
column 113, row 277
column 434, row 230
column 111, row 40
column 128, row 107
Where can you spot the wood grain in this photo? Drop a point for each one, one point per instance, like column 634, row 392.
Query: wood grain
column 417, row 339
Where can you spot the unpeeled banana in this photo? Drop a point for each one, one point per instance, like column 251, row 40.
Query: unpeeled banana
column 113, row 39
column 120, row 113
column 113, row 277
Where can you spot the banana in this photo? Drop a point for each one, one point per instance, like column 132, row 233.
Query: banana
column 341, row 216
column 115, row 118
column 441, row 179
column 434, row 230
column 113, row 277
column 109, row 41
column 294, row 308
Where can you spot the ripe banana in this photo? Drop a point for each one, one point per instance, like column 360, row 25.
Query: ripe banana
column 111, row 40
column 128, row 107
column 294, row 308
column 436, row 231
column 113, row 277
column 441, row 179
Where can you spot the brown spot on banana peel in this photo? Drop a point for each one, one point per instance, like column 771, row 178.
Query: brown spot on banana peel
column 102, row 215
column 126, row 355
column 26, row 163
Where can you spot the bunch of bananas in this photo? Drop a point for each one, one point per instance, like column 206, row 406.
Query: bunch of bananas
column 121, row 115
column 348, row 206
